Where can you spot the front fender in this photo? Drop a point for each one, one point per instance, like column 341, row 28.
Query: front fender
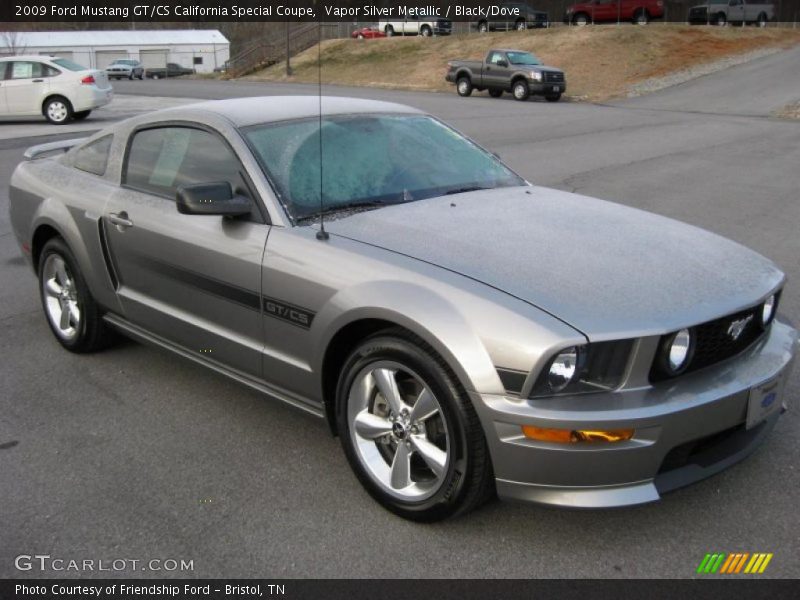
column 420, row 310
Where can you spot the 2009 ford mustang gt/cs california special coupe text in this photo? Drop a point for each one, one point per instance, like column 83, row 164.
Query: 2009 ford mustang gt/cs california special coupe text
column 461, row 330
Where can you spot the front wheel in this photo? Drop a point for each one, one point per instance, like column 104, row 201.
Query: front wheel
column 521, row 25
column 520, row 90
column 762, row 20
column 409, row 431
column 464, row 86
column 722, row 20
column 641, row 18
column 426, row 31
column 581, row 20
column 389, row 31
column 483, row 27
column 71, row 312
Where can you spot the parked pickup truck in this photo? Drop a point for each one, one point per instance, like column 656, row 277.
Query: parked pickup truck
column 722, row 12
column 171, row 70
column 502, row 70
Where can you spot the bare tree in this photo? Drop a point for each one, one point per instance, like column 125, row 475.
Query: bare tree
column 12, row 42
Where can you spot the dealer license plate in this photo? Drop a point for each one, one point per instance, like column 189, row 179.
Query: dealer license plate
column 764, row 401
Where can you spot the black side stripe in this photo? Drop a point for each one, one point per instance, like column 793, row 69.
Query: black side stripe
column 241, row 296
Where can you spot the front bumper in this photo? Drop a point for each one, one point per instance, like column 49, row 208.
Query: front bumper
column 686, row 429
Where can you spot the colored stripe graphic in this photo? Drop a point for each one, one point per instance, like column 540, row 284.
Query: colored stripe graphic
column 734, row 563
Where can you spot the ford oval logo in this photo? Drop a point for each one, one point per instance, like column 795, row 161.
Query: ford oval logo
column 768, row 399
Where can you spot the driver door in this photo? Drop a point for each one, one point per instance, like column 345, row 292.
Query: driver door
column 193, row 280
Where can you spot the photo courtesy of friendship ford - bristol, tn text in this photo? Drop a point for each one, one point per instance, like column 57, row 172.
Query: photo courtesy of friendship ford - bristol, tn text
column 402, row 287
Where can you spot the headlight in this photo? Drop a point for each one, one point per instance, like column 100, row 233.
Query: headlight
column 768, row 310
column 536, row 75
column 581, row 369
column 563, row 369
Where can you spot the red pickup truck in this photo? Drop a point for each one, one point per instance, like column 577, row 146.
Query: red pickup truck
column 611, row 11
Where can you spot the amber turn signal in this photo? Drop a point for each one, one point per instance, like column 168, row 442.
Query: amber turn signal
column 572, row 436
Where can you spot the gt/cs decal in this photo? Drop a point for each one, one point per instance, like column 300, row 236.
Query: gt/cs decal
column 290, row 313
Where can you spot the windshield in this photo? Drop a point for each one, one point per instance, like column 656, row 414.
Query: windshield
column 124, row 61
column 522, row 58
column 370, row 160
column 68, row 64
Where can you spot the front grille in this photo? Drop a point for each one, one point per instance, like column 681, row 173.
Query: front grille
column 553, row 76
column 714, row 341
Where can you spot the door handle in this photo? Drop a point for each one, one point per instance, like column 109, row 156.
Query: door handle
column 38, row 81
column 121, row 220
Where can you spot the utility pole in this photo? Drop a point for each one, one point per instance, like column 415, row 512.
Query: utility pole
column 288, row 64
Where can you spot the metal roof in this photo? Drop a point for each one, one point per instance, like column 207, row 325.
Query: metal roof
column 117, row 38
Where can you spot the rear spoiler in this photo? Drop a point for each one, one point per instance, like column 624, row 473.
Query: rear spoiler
column 35, row 152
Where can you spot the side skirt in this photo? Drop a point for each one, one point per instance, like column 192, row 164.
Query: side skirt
column 139, row 334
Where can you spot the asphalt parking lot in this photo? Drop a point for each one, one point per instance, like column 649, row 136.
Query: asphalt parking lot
column 136, row 454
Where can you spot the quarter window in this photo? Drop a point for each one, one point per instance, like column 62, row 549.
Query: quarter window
column 163, row 159
column 93, row 157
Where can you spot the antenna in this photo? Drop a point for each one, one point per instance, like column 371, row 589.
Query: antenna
column 321, row 234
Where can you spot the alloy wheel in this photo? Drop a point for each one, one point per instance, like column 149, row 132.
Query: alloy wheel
column 398, row 431
column 61, row 297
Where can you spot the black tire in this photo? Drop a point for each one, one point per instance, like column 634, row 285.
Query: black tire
column 521, row 25
column 464, row 86
column 81, row 115
column 141, row 76
column 762, row 20
column 495, row 93
column 721, row 20
column 130, row 77
column 553, row 97
column 580, row 19
column 520, row 90
column 483, row 27
column 57, row 110
column 426, row 31
column 389, row 31
column 467, row 480
column 360, row 36
column 91, row 333
column 156, row 76
column 641, row 17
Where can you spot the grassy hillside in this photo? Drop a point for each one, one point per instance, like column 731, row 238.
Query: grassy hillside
column 601, row 62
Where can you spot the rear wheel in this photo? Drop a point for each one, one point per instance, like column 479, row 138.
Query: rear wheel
column 483, row 27
column 409, row 431
column 641, row 18
column 71, row 312
column 721, row 20
column 57, row 110
column 520, row 90
column 156, row 76
column 426, row 31
column 81, row 115
column 389, row 31
column 521, row 25
column 581, row 19
column 464, row 86
column 495, row 93
column 762, row 20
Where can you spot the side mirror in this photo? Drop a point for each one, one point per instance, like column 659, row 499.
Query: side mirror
column 502, row 63
column 211, row 199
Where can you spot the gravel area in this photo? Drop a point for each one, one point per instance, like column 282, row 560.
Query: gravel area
column 655, row 84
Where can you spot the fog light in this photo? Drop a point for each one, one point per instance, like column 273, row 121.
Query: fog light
column 572, row 436
column 767, row 311
column 679, row 351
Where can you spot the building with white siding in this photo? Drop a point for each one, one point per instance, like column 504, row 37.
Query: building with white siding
column 200, row 49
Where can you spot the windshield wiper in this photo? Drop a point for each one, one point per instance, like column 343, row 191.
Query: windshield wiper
column 348, row 206
column 470, row 188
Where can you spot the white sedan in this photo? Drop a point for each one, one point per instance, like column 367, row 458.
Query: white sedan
column 56, row 88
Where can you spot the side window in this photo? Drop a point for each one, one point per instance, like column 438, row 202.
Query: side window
column 26, row 70
column 93, row 158
column 496, row 57
column 163, row 159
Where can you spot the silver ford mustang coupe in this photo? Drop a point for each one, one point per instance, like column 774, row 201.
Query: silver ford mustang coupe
column 462, row 331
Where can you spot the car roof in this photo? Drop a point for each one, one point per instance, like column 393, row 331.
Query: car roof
column 243, row 112
column 36, row 57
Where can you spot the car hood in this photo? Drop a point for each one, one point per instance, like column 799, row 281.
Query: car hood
column 608, row 270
